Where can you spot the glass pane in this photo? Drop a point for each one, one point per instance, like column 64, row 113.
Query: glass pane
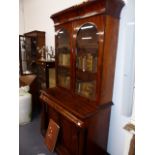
column 63, row 58
column 27, row 56
column 86, row 61
column 63, row 48
column 51, row 77
column 63, row 78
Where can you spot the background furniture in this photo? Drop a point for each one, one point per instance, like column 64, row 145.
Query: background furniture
column 25, row 105
column 86, row 43
column 25, row 55
column 28, row 54
column 45, row 74
column 31, row 81
column 38, row 38
column 30, row 63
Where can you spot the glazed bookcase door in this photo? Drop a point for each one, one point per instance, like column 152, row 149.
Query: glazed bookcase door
column 63, row 58
column 86, row 60
column 27, row 54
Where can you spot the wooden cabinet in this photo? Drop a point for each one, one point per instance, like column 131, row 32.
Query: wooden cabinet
column 28, row 54
column 38, row 41
column 46, row 76
column 86, row 44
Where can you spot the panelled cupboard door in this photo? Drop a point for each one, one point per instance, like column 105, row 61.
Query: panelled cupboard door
column 88, row 52
column 63, row 56
column 71, row 136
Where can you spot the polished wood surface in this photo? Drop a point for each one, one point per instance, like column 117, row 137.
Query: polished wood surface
column 85, row 130
column 89, row 9
column 63, row 100
column 109, row 58
column 84, row 119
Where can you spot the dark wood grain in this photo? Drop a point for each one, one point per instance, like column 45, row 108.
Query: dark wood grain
column 83, row 121
column 114, row 7
column 81, row 11
column 62, row 100
column 109, row 59
column 89, row 9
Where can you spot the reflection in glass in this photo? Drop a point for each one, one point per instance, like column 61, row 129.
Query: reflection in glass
column 27, row 51
column 64, row 78
column 63, row 58
column 86, row 61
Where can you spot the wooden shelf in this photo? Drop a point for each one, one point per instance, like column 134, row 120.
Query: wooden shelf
column 64, row 67
column 86, row 76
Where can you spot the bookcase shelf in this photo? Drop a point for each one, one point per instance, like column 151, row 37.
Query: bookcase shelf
column 86, row 43
column 64, row 67
column 85, row 76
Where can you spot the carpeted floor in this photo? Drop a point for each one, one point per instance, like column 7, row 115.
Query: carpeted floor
column 31, row 142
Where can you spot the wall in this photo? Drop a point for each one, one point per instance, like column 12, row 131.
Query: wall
column 21, row 17
column 37, row 17
column 124, row 82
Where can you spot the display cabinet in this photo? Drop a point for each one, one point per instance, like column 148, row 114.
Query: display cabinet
column 38, row 41
column 28, row 53
column 86, row 44
column 25, row 57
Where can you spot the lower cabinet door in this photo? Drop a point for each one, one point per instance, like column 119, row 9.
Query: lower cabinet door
column 70, row 138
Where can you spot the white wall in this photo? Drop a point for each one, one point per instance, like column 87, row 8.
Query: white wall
column 124, row 82
column 37, row 17
column 21, row 17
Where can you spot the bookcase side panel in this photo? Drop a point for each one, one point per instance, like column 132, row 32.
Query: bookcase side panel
column 109, row 59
